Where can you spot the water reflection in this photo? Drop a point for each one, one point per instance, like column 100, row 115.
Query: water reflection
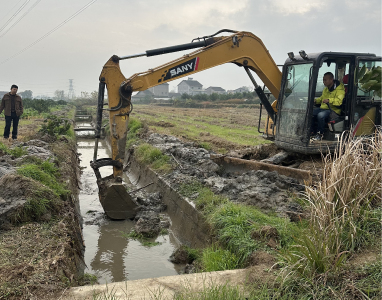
column 111, row 251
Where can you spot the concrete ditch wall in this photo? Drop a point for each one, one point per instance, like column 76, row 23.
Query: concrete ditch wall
column 187, row 223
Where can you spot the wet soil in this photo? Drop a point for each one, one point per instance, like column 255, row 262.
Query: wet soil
column 266, row 190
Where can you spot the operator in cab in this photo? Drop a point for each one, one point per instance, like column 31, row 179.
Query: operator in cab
column 333, row 94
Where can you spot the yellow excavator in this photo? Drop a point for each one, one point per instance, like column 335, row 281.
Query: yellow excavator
column 289, row 117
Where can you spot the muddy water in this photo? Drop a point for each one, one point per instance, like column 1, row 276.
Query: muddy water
column 109, row 254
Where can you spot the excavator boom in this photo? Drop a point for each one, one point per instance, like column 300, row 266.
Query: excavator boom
column 241, row 48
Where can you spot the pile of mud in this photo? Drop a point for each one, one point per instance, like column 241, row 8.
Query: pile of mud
column 266, row 190
column 150, row 219
column 16, row 190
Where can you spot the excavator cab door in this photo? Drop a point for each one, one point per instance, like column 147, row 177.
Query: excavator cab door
column 294, row 106
column 366, row 105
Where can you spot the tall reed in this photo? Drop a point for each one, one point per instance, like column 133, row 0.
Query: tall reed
column 343, row 207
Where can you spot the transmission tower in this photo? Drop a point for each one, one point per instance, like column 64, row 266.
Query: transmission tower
column 71, row 90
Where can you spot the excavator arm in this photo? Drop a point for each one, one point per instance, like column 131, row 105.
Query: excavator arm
column 241, row 48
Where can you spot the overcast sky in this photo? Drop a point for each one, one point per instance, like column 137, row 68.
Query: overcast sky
column 79, row 49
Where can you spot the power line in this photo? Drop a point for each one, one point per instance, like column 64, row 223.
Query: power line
column 12, row 9
column 14, row 15
column 50, row 32
column 27, row 12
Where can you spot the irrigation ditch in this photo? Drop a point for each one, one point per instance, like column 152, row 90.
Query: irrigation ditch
column 152, row 245
column 165, row 220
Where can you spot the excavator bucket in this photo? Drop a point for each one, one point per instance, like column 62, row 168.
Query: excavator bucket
column 115, row 200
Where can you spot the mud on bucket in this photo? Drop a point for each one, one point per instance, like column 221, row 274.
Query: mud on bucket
column 116, row 202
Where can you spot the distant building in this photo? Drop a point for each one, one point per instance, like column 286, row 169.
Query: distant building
column 160, row 90
column 214, row 90
column 143, row 95
column 241, row 90
column 190, row 87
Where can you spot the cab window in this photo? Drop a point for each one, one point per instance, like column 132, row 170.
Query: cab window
column 365, row 91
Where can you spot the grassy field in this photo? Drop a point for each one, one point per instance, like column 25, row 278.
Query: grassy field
column 26, row 127
column 217, row 129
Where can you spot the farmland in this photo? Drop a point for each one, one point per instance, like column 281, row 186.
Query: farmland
column 216, row 129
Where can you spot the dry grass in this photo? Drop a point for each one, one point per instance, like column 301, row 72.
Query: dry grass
column 26, row 129
column 35, row 260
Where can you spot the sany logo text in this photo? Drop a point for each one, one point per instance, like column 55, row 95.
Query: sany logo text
column 181, row 69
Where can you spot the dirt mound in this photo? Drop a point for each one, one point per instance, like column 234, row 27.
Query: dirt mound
column 34, row 149
column 263, row 189
column 261, row 257
column 6, row 168
column 181, row 256
column 15, row 191
column 149, row 221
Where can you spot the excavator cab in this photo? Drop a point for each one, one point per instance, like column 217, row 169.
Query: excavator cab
column 302, row 83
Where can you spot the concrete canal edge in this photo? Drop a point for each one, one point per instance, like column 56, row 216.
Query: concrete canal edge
column 161, row 287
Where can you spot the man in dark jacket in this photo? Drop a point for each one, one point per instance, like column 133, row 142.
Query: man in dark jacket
column 13, row 109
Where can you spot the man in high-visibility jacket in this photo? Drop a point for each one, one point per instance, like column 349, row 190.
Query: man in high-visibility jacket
column 333, row 94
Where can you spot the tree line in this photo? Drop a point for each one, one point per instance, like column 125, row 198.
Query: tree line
column 249, row 96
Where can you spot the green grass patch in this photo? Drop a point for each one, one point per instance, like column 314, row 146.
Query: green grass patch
column 39, row 204
column 370, row 282
column 145, row 240
column 153, row 157
column 46, row 173
column 233, row 225
column 206, row 145
column 163, row 231
column 150, row 244
column 215, row 258
column 133, row 129
column 190, row 188
column 15, row 151
column 87, row 279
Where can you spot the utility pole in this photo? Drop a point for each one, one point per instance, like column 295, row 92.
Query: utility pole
column 71, row 90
